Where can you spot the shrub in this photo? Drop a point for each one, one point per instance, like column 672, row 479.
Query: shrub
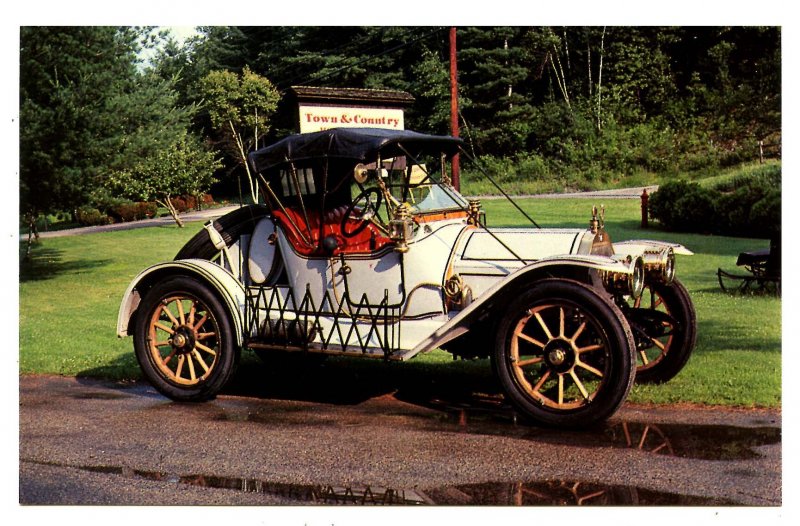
column 765, row 215
column 750, row 207
column 145, row 210
column 88, row 216
column 683, row 207
column 129, row 211
column 180, row 204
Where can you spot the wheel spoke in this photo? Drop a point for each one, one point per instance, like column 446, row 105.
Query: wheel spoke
column 161, row 344
column 171, row 316
column 541, row 381
column 192, row 310
column 530, row 361
column 645, row 359
column 181, row 361
column 200, row 360
column 560, row 389
column 201, row 322
column 181, row 315
column 530, row 340
column 168, row 357
column 561, row 322
column 589, row 368
column 578, row 332
column 205, row 335
column 192, row 374
column 578, row 383
column 590, row 348
column 163, row 327
column 658, row 343
column 544, row 326
column 202, row 347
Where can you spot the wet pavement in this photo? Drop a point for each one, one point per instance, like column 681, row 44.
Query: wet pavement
column 84, row 441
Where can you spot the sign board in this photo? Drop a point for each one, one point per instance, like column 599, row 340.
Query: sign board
column 318, row 118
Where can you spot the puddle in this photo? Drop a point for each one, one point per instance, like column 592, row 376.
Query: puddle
column 563, row 493
column 537, row 493
column 706, row 442
column 99, row 395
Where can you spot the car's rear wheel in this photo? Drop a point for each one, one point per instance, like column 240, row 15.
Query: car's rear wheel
column 184, row 341
column 564, row 355
column 664, row 326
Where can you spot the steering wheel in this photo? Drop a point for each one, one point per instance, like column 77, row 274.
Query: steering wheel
column 366, row 212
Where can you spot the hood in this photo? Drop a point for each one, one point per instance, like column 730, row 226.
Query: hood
column 526, row 243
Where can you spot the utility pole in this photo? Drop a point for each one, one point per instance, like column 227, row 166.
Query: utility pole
column 454, row 105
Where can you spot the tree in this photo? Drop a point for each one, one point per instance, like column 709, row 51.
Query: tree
column 67, row 75
column 240, row 108
column 185, row 167
column 90, row 118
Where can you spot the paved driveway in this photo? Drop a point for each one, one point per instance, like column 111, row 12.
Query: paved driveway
column 88, row 442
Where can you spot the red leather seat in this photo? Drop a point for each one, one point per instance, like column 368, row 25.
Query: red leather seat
column 369, row 240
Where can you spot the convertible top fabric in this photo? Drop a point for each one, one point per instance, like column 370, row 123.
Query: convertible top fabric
column 360, row 144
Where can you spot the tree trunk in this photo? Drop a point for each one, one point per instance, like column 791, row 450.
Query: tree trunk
column 33, row 232
column 600, row 78
column 243, row 157
column 167, row 202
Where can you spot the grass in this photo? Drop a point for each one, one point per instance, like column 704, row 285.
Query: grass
column 70, row 294
column 474, row 183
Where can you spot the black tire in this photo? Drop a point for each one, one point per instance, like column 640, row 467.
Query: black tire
column 194, row 362
column 230, row 226
column 583, row 350
column 663, row 317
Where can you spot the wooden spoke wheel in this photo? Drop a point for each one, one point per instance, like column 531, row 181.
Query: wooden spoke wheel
column 183, row 340
column 564, row 354
column 664, row 326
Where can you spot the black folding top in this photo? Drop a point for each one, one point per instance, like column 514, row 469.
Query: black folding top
column 360, row 144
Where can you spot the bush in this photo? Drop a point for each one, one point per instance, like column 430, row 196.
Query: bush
column 88, row 216
column 180, row 204
column 145, row 210
column 765, row 215
column 747, row 207
column 129, row 211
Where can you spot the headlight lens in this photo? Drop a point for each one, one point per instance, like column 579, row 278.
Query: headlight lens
column 627, row 283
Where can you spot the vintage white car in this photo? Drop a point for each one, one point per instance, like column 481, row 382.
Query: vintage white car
column 363, row 248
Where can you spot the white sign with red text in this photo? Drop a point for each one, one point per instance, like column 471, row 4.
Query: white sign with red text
column 318, row 118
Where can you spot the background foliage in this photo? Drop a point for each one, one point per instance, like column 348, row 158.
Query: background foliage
column 586, row 106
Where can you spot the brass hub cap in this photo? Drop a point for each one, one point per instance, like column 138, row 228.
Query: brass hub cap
column 184, row 339
column 559, row 355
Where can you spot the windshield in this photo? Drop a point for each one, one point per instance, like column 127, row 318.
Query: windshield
column 417, row 182
column 435, row 197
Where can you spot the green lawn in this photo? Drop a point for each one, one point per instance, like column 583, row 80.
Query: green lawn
column 70, row 294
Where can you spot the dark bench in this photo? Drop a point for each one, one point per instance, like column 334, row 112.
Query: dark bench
column 763, row 271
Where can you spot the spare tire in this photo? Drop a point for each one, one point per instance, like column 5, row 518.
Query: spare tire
column 230, row 226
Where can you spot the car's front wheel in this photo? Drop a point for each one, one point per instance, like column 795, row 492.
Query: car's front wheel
column 564, row 355
column 184, row 341
column 664, row 325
